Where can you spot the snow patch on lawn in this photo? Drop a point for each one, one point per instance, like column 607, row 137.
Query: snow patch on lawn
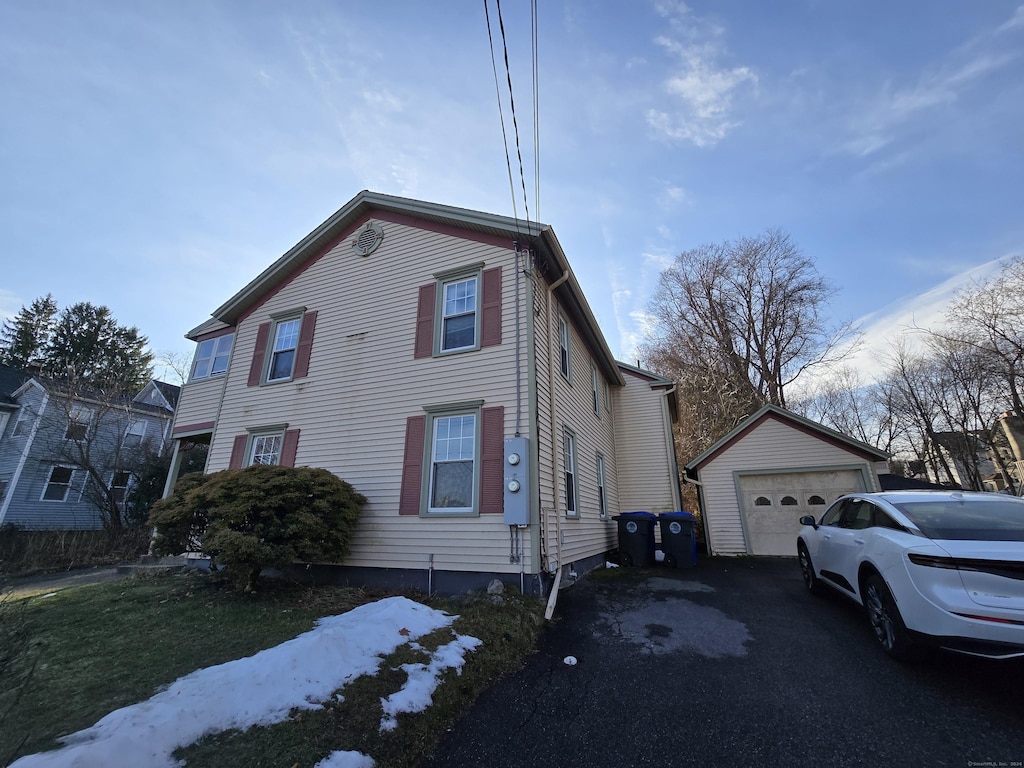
column 264, row 688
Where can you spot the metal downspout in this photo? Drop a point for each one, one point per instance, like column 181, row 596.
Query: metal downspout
column 557, row 566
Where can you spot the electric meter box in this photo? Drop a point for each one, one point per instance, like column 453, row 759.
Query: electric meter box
column 516, row 493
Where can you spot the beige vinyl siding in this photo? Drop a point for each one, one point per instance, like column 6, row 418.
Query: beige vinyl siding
column 568, row 539
column 643, row 445
column 771, row 445
column 199, row 401
column 364, row 383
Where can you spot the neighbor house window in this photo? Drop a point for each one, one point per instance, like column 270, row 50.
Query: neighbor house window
column 282, row 354
column 266, row 449
column 452, row 463
column 595, row 392
column 607, row 394
column 212, row 357
column 78, row 423
column 602, row 501
column 564, row 350
column 24, row 423
column 569, row 463
column 136, row 433
column 119, row 486
column 59, row 484
column 458, row 315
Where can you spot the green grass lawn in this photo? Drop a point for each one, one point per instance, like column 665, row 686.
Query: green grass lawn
column 105, row 646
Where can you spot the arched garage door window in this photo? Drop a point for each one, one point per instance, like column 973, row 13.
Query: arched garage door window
column 762, row 501
column 789, row 501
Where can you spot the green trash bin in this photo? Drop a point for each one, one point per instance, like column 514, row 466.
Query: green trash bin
column 636, row 538
column 678, row 542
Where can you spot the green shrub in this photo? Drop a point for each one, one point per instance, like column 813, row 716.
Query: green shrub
column 259, row 517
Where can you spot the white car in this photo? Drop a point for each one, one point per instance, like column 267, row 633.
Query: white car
column 941, row 568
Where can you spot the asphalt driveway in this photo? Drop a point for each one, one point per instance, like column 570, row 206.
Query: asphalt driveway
column 733, row 663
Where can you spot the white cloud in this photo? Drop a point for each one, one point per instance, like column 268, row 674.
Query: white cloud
column 901, row 318
column 700, row 89
column 1015, row 22
column 10, row 304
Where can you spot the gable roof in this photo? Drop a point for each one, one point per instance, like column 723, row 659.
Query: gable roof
column 549, row 257
column 657, row 382
column 776, row 413
column 11, row 380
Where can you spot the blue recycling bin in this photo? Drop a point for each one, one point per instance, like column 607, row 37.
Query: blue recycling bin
column 678, row 541
column 636, row 538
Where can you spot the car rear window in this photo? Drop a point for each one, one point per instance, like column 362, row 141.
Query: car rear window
column 967, row 519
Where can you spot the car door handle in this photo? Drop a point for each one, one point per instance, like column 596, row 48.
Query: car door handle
column 827, row 536
column 858, row 541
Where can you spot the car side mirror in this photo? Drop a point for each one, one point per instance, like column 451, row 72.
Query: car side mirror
column 808, row 520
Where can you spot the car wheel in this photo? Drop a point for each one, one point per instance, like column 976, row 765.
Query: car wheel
column 814, row 586
column 885, row 619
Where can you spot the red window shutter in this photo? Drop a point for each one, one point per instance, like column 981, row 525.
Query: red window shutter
column 238, row 451
column 412, row 466
column 492, row 460
column 256, row 367
column 288, row 447
column 490, row 305
column 305, row 345
column 425, row 321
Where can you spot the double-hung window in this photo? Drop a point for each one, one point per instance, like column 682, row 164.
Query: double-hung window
column 58, row 484
column 266, row 449
column 212, row 357
column 595, row 392
column 569, row 464
column 282, row 353
column 458, row 314
column 602, row 499
column 24, row 423
column 119, row 484
column 564, row 349
column 79, row 420
column 135, row 434
column 453, row 463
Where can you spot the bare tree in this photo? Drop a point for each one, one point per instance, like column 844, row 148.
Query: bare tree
column 101, row 434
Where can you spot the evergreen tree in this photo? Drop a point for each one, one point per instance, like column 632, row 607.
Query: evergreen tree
column 24, row 339
column 88, row 346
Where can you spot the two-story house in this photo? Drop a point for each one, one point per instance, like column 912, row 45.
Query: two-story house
column 67, row 455
column 446, row 363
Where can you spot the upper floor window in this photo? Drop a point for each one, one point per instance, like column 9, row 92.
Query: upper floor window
column 24, row 423
column 458, row 315
column 460, row 311
column 78, row 423
column 564, row 349
column 283, row 348
column 212, row 357
column 282, row 355
column 602, row 501
column 595, row 392
column 136, row 433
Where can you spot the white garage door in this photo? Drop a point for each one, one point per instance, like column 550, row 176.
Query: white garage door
column 773, row 504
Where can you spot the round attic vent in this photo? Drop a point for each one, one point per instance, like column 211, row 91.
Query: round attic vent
column 368, row 239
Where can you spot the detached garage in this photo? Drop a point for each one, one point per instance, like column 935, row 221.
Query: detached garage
column 756, row 482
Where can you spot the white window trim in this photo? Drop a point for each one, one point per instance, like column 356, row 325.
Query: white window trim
column 127, row 487
column 570, row 469
column 67, row 489
column 254, row 440
column 215, row 354
column 272, row 349
column 433, row 416
column 78, row 410
column 25, row 417
column 564, row 345
column 595, row 396
column 130, row 432
column 602, row 489
column 439, row 312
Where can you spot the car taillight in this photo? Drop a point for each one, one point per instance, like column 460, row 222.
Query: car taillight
column 933, row 561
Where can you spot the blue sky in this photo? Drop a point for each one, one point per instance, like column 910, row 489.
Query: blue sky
column 155, row 156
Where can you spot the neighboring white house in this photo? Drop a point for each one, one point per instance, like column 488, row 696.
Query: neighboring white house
column 446, row 363
column 756, row 482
